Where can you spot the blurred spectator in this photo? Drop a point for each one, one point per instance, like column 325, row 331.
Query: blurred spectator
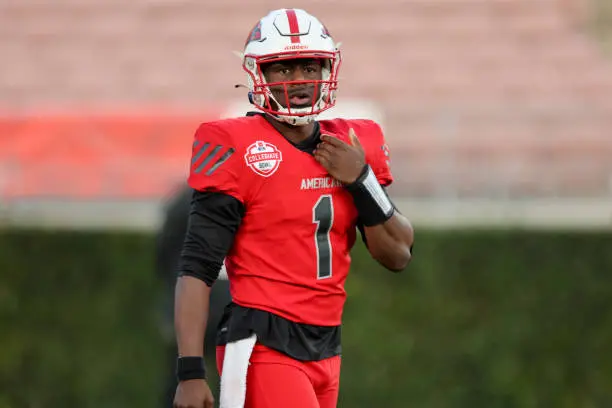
column 169, row 244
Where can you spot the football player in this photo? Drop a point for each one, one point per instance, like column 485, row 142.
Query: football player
column 279, row 196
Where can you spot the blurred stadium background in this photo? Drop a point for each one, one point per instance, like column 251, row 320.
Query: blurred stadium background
column 493, row 109
column 498, row 114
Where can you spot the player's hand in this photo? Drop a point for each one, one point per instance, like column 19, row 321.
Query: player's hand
column 343, row 161
column 193, row 394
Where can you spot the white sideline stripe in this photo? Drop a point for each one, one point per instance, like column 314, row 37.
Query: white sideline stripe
column 592, row 213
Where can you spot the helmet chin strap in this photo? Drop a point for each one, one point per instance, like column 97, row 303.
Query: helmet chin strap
column 295, row 120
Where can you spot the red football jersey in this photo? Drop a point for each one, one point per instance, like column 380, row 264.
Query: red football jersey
column 291, row 254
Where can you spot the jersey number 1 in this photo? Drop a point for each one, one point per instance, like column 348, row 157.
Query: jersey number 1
column 323, row 216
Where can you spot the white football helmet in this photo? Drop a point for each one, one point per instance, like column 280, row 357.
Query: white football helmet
column 288, row 34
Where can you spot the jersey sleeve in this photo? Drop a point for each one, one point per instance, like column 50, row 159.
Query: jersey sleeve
column 378, row 155
column 215, row 166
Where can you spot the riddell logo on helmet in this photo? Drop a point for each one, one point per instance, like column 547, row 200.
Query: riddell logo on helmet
column 295, row 47
column 263, row 158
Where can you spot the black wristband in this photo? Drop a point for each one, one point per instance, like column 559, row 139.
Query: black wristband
column 190, row 368
column 373, row 205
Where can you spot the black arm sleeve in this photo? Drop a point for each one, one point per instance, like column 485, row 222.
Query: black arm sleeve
column 360, row 225
column 214, row 219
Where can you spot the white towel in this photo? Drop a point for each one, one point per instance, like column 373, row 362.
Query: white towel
column 234, row 374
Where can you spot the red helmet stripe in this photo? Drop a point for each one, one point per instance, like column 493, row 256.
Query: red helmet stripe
column 294, row 28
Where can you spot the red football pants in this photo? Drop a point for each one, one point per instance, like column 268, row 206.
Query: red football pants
column 275, row 380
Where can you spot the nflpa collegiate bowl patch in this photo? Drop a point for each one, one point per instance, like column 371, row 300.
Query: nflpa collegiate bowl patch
column 263, row 158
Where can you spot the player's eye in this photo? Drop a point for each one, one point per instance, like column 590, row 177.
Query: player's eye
column 312, row 68
column 283, row 71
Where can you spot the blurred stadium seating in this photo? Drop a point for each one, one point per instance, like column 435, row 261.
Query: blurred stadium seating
column 494, row 110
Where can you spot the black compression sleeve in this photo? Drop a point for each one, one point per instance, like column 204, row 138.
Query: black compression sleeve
column 361, row 224
column 371, row 200
column 213, row 221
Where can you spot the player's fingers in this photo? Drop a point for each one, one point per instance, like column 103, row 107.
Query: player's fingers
column 334, row 141
column 354, row 139
column 323, row 158
column 323, row 154
column 325, row 147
